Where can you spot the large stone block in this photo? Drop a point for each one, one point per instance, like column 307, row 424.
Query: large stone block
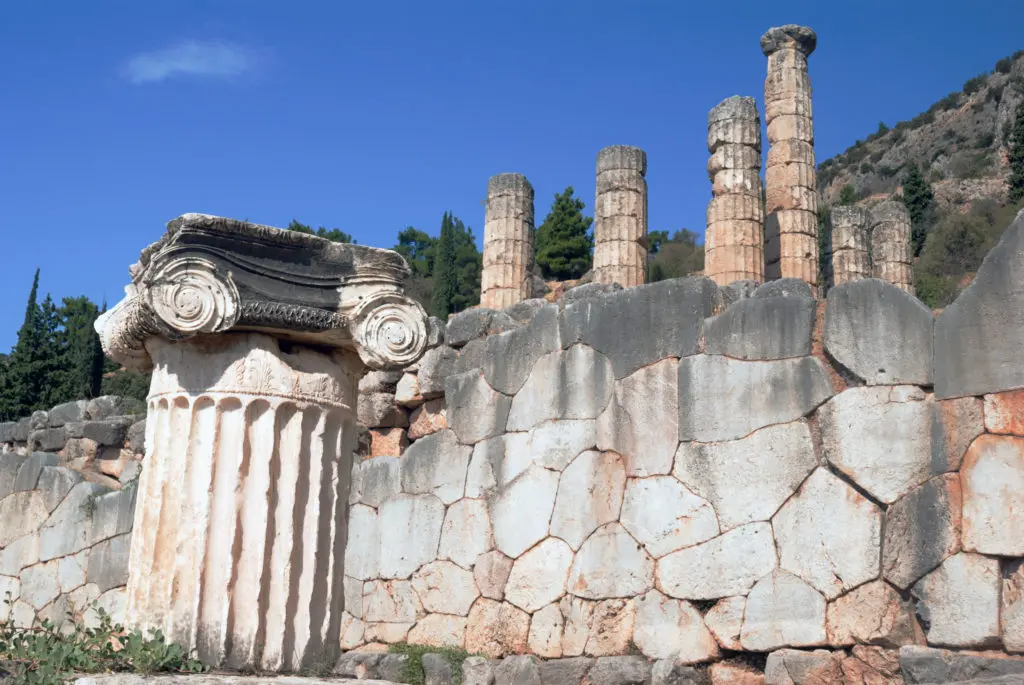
column 881, row 437
column 959, row 602
column 664, row 516
column 67, row 412
column 922, row 529
column 748, row 480
column 55, row 483
column 1004, row 412
column 929, row 665
column 108, row 563
column 573, row 384
column 109, row 406
column 411, row 526
column 956, row 424
column 798, row 667
column 511, row 356
column 437, row 465
column 491, row 573
column 8, row 431
column 725, row 399
column 495, row 629
column 783, row 611
column 445, row 588
column 435, row 366
column 724, row 566
column 1011, row 617
column 992, row 477
column 475, row 411
column 466, row 532
column 589, row 496
column 977, row 348
column 620, row 670
column 48, row 439
column 538, row 577
column 31, row 469
column 113, row 513
column 668, row 628
column 725, row 621
column 642, row 325
column 521, row 512
column 362, row 551
column 40, row 584
column 610, row 564
column 393, row 601
column 18, row 554
column 872, row 614
column 475, row 323
column 375, row 480
column 546, row 628
column 22, row 513
column 378, row 410
column 762, row 328
column 427, row 419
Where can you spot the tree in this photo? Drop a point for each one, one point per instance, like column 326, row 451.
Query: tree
column 825, row 275
column 917, row 196
column 419, row 250
column 1016, row 138
column 563, row 242
column 80, row 348
column 333, row 234
column 467, row 267
column 24, row 378
column 655, row 239
column 445, row 283
column 676, row 257
column 848, row 195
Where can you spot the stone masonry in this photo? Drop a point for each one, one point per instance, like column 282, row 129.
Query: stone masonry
column 890, row 244
column 620, row 217
column 850, row 258
column 791, row 202
column 734, row 242
column 507, row 276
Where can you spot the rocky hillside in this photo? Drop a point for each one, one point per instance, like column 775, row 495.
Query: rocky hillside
column 960, row 144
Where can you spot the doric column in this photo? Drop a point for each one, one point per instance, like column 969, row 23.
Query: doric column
column 256, row 338
column 890, row 244
column 733, row 243
column 507, row 276
column 620, row 217
column 791, row 203
column 850, row 258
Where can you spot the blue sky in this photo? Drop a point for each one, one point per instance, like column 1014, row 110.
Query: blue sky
column 370, row 117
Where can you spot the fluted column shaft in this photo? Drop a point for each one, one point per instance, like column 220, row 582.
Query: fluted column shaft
column 733, row 242
column 507, row 276
column 890, row 244
column 620, row 217
column 850, row 258
column 791, row 203
column 240, row 528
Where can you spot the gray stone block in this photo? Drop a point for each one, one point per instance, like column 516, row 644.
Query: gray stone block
column 727, row 399
column 587, row 291
column 471, row 357
column 475, row 410
column 929, row 665
column 762, row 328
column 137, row 437
column 10, row 464
column 620, row 670
column 111, row 431
column 510, row 356
column 565, row 671
column 522, row 312
column 69, row 528
column 28, row 474
column 113, row 513
column 8, row 430
column 108, row 406
column 378, row 410
column 520, row 669
column 878, row 332
column 668, row 672
column 784, row 287
column 435, row 366
column 24, row 427
column 358, row 665
column 55, row 482
column 48, row 439
column 67, row 412
column 437, row 670
column 736, row 291
column 478, row 670
column 637, row 327
column 436, row 465
column 476, row 323
column 801, row 667
column 380, row 381
column 392, row 667
column 435, row 332
column 108, row 563
column 977, row 338
column 38, row 420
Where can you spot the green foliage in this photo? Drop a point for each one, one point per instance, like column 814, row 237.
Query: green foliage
column 918, row 197
column 456, row 269
column 866, row 168
column 848, row 195
column 125, row 383
column 414, row 674
column 333, row 234
column 25, row 376
column 419, row 249
column 1016, row 139
column 970, row 164
column 46, row 655
column 995, row 93
column 675, row 257
column 951, row 101
column 882, row 129
column 975, row 84
column 563, row 241
column 935, row 291
column 985, row 139
column 1004, row 65
column 956, row 247
column 824, row 243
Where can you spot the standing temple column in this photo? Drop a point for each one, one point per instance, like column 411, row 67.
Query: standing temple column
column 507, row 276
column 733, row 243
column 791, row 202
column 620, row 217
column 256, row 338
column 850, row 258
column 890, row 244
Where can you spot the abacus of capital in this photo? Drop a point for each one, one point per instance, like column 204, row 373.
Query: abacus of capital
column 256, row 338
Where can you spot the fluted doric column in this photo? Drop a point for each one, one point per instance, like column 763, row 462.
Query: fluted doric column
column 791, row 201
column 620, row 217
column 256, row 338
column 850, row 258
column 507, row 276
column 890, row 244
column 733, row 243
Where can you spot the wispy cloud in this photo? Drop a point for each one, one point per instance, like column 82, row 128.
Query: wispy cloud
column 209, row 59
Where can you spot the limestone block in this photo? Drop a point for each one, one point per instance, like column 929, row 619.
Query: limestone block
column 783, row 611
column 880, row 333
column 466, row 532
column 112, row 431
column 10, row 464
column 737, row 182
column 22, row 614
column 31, row 468
column 642, row 420
column 1011, row 616
column 353, row 590
column 390, row 601
column 108, row 406
column 595, row 576
column 377, row 479
column 574, row 384
column 928, row 665
column 113, row 514
column 71, row 572
column 620, row 670
column 478, row 670
column 976, row 337
column 8, row 430
column 362, row 551
column 829, row 535
column 734, row 207
column 992, row 477
column 959, row 601
column 10, row 590
column 728, row 673
column 545, row 638
column 475, row 323
column 491, row 574
column 18, row 554
column 475, row 410
column 640, row 326
column 721, row 567
column 922, row 529
column 419, row 518
column 378, row 410
column 40, row 584
column 108, row 563
column 668, row 628
column 724, row 399
column 733, row 156
column 790, row 126
column 570, row 670
column 748, row 480
column 48, row 439
column 427, row 419
column 553, row 444
column 445, row 588
column 791, row 173
column 881, row 437
column 589, row 496
column 22, row 513
column 732, row 234
column 521, row 512
column 380, row 381
column 957, row 423
column 435, row 366
column 796, row 667
column 538, row 577
column 437, row 465
column 407, row 392
column 725, row 621
column 871, row 614
column 588, row 291
column 388, row 442
column 352, row 631
column 762, row 329
column 1004, row 413
column 22, row 430
column 597, row 628
column 745, row 132
column 792, row 150
column 664, row 516
column 495, row 629
column 512, row 355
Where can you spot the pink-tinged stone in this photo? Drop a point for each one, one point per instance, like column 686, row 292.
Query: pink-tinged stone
column 352, row 632
column 491, row 574
column 960, row 420
column 439, row 630
column 664, row 516
column 387, row 442
column 872, row 614
column 427, row 419
column 872, row 666
column 445, row 588
column 725, row 621
column 1004, row 413
column 596, row 628
column 724, row 673
column 783, row 611
column 992, row 478
column 495, row 629
column 546, row 632
column 1012, row 615
column 538, row 577
column 466, row 532
column 589, row 496
column 611, row 564
column 388, row 633
column 668, row 628
column 390, row 601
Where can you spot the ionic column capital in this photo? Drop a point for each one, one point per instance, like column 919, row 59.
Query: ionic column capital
column 792, row 37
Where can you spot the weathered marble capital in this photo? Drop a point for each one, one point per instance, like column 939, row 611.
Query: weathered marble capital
column 211, row 275
column 791, row 36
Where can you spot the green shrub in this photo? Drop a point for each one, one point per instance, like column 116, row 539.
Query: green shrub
column 968, row 164
column 877, row 155
column 985, row 139
column 866, row 168
column 1004, row 65
column 975, row 84
column 414, row 674
column 935, row 291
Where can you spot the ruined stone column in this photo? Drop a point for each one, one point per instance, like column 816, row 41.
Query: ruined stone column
column 733, row 243
column 890, row 244
column 507, row 276
column 256, row 338
column 791, row 202
column 850, row 258
column 620, row 217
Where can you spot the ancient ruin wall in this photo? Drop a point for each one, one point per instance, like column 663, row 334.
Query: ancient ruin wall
column 690, row 470
column 851, row 260
column 620, row 216
column 890, row 244
column 508, row 242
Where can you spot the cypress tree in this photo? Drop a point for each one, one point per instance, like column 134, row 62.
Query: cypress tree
column 25, row 375
column 563, row 241
column 917, row 196
column 1016, row 140
column 445, row 283
column 81, row 349
column 468, row 265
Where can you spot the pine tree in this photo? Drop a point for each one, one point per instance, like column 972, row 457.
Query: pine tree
column 468, row 267
column 333, row 234
column 445, row 279
column 1016, row 140
column 25, row 374
column 917, row 196
column 80, row 349
column 563, row 241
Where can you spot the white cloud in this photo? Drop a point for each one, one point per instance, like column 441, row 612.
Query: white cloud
column 213, row 59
